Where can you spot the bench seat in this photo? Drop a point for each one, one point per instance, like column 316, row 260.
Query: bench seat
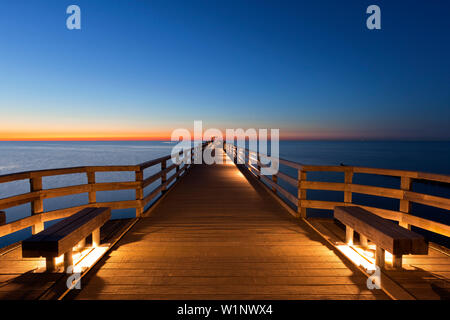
column 386, row 235
column 63, row 236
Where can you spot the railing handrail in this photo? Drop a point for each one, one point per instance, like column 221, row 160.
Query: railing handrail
column 445, row 178
column 37, row 193
column 301, row 202
column 23, row 175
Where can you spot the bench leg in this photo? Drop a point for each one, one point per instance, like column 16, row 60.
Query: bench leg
column 81, row 244
column 379, row 257
column 68, row 260
column 363, row 241
column 50, row 264
column 36, row 228
column 96, row 238
column 397, row 261
column 349, row 235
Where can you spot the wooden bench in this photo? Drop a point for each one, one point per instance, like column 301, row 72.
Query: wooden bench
column 63, row 236
column 386, row 235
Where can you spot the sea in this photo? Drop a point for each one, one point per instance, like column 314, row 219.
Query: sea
column 424, row 156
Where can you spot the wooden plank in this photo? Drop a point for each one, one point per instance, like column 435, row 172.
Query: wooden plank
column 91, row 181
column 139, row 194
column 386, row 172
column 280, row 189
column 348, row 180
column 301, row 193
column 319, row 185
column 434, row 177
column 310, row 168
column 426, row 224
column 287, row 178
column 425, row 269
column 319, row 204
column 377, row 191
column 158, row 175
column 383, row 233
column 63, row 236
column 20, row 224
column 112, row 168
column 291, row 164
column 428, row 200
column 215, row 234
column 18, row 200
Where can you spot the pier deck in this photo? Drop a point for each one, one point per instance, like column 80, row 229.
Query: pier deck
column 219, row 233
column 218, row 236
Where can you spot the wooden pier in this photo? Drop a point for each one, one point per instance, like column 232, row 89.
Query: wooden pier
column 223, row 231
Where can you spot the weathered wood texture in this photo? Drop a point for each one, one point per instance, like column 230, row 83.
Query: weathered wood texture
column 382, row 232
column 422, row 276
column 66, row 234
column 18, row 279
column 403, row 194
column 37, row 194
column 219, row 235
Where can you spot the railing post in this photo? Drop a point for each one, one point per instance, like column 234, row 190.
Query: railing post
column 91, row 181
column 258, row 165
column 37, row 206
column 185, row 160
column 139, row 192
column 239, row 157
column 177, row 168
column 348, row 180
column 164, row 176
column 301, row 209
column 405, row 205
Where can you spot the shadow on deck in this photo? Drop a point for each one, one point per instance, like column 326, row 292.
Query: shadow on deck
column 218, row 234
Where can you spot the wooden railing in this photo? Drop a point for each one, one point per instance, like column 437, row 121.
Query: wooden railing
column 37, row 193
column 300, row 201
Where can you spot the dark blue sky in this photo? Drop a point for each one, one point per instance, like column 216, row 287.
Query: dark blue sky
column 310, row 68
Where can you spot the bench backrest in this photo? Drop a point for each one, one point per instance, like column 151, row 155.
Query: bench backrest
column 384, row 233
column 64, row 235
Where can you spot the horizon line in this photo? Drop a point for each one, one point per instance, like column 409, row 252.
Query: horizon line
column 166, row 139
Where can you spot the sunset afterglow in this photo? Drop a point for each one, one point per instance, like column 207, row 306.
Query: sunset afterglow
column 140, row 71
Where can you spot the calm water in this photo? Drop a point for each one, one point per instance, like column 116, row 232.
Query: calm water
column 22, row 156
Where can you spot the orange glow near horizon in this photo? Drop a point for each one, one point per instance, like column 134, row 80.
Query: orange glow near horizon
column 156, row 135
column 81, row 136
column 89, row 139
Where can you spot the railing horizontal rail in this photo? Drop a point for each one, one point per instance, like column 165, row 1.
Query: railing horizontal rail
column 404, row 194
column 37, row 193
column 63, row 171
column 343, row 168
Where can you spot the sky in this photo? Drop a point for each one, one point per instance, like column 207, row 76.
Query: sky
column 138, row 69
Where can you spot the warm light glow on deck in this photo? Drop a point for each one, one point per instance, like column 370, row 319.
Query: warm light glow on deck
column 364, row 257
column 356, row 257
column 90, row 258
column 82, row 260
